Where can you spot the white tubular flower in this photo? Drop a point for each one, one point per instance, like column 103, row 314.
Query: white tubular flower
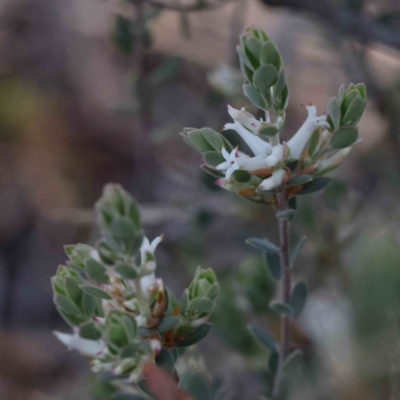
column 273, row 181
column 276, row 155
column 335, row 160
column 298, row 142
column 149, row 283
column 256, row 144
column 252, row 163
column 230, row 164
column 245, row 118
column 148, row 248
column 90, row 348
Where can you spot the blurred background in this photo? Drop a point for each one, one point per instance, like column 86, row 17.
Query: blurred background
column 97, row 91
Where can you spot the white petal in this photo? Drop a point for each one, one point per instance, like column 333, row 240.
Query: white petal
column 146, row 284
column 276, row 155
column 336, row 159
column 225, row 154
column 230, row 171
column 224, row 165
column 257, row 145
column 156, row 241
column 273, row 181
column 252, row 163
column 87, row 347
column 298, row 142
column 244, row 118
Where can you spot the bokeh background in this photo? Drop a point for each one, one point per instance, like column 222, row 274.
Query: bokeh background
column 97, row 91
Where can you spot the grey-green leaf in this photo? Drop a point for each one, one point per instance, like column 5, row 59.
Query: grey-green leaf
column 315, row 185
column 168, row 323
column 198, row 334
column 298, row 298
column 265, row 77
column 95, row 292
column 288, row 213
column 299, row 180
column 89, row 331
column 194, row 383
column 213, row 158
column 334, row 112
column 255, row 97
column 263, row 244
column 166, row 360
column 202, row 305
column 126, row 271
column 292, row 361
column 297, row 249
column 273, row 261
column 67, row 305
column 264, row 337
column 96, row 271
column 270, row 55
column 344, row 137
column 280, row 308
column 354, row 111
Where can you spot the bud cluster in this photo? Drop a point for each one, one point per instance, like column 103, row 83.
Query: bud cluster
column 122, row 316
column 294, row 167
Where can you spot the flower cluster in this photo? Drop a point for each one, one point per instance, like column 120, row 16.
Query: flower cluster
column 294, row 167
column 122, row 315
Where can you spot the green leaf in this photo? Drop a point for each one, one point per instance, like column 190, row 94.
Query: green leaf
column 168, row 323
column 289, row 212
column 252, row 49
column 273, row 261
column 280, row 308
column 194, row 383
column 88, row 305
column 89, row 331
column 72, row 289
column 213, row 138
column 64, row 303
column 122, row 228
column 213, row 158
column 126, row 271
column 269, row 131
column 354, row 111
column 96, row 271
column 165, row 360
column 241, row 176
column 298, row 298
column 263, row 337
column 265, row 77
column 279, row 85
column 282, row 102
column 361, row 90
column 184, row 302
column 212, row 172
column 334, row 112
column 202, row 305
column 348, row 98
column 95, row 292
column 199, row 142
column 299, row 180
column 292, row 361
column 344, row 137
column 243, row 58
column 255, row 97
column 198, row 334
column 297, row 249
column 270, row 55
column 313, row 142
column 263, row 244
column 315, row 185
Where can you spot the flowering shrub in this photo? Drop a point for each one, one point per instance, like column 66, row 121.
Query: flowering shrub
column 124, row 318
column 121, row 314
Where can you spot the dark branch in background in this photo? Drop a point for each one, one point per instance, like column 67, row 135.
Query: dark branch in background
column 350, row 21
